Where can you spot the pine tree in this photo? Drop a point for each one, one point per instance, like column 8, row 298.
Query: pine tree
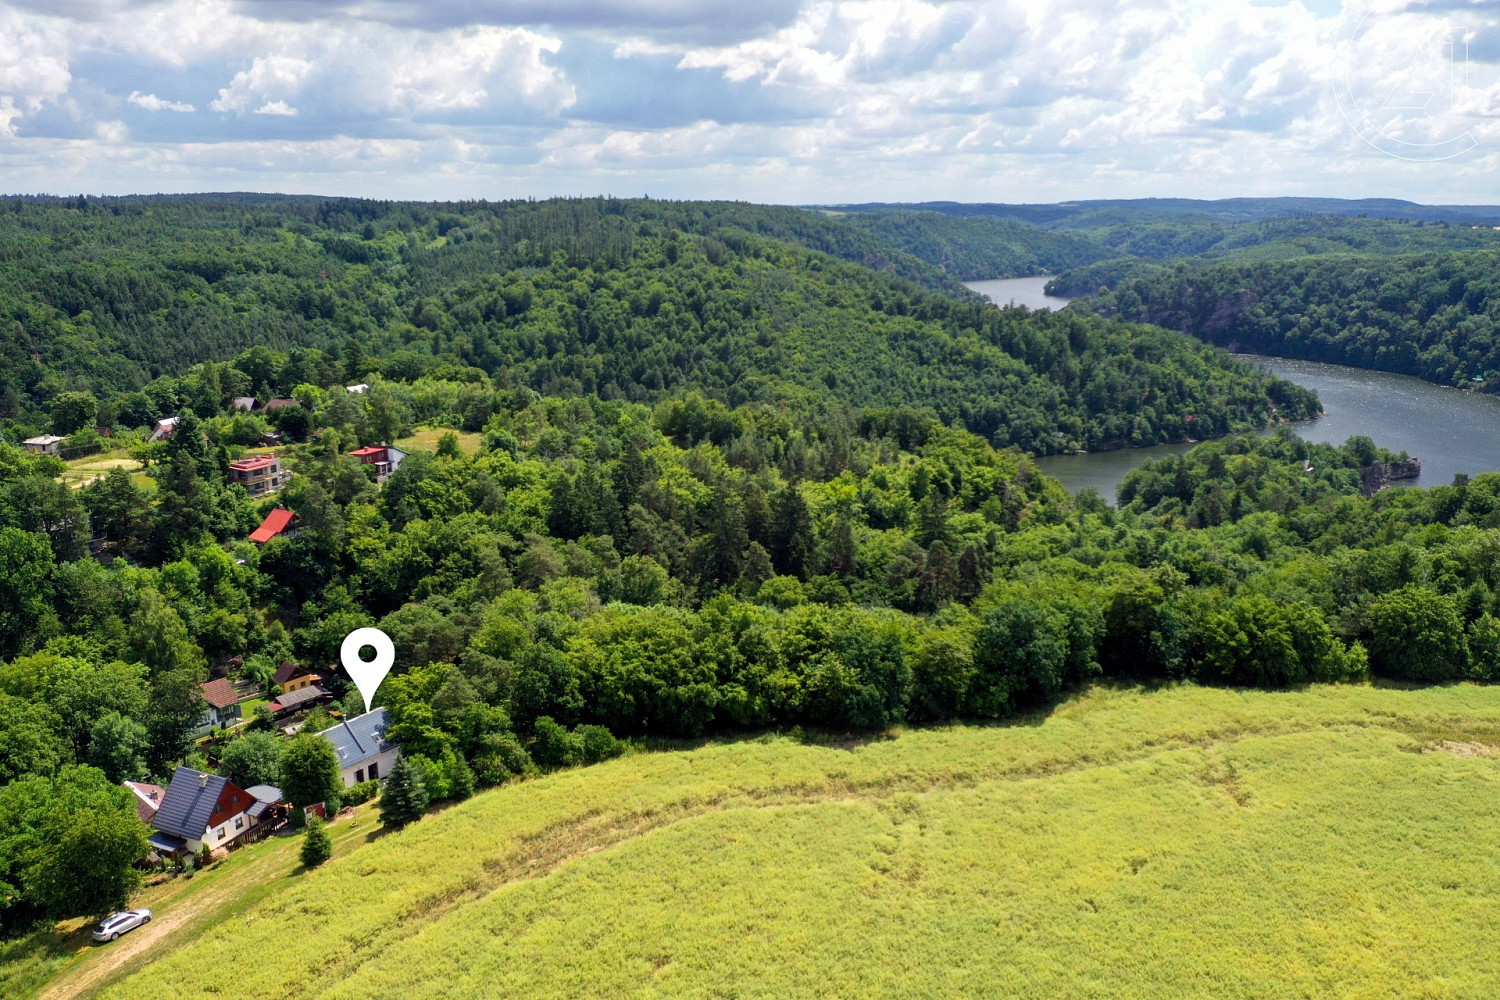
column 404, row 798
column 317, row 846
column 791, row 534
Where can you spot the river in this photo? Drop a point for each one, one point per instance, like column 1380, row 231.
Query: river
column 1451, row 431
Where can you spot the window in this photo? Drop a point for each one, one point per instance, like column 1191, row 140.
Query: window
column 359, row 776
column 239, row 822
column 221, row 833
column 374, row 770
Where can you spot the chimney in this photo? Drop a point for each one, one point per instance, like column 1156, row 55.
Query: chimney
column 202, row 781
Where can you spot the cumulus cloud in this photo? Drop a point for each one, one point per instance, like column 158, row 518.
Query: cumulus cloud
column 820, row 100
column 153, row 103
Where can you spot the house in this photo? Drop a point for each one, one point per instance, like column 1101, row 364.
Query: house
column 200, row 810
column 364, row 752
column 280, row 522
column 245, row 403
column 385, row 457
column 223, row 705
column 271, row 439
column 163, row 429
column 44, row 444
column 291, row 701
column 360, row 389
column 260, row 475
column 292, row 676
column 147, row 799
column 280, row 404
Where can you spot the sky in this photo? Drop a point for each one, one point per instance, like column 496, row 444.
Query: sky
column 785, row 101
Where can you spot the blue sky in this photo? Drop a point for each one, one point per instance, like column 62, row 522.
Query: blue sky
column 771, row 100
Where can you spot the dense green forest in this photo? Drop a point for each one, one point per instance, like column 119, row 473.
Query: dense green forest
column 686, row 476
column 566, row 298
column 1432, row 315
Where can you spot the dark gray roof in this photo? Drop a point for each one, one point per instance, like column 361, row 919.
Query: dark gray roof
column 188, row 803
column 254, row 811
column 360, row 738
column 264, row 793
column 301, row 696
column 165, row 841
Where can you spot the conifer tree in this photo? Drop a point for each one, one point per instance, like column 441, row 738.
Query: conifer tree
column 317, row 846
column 404, row 798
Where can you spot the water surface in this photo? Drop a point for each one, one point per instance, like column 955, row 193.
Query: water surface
column 1020, row 291
column 1451, row 431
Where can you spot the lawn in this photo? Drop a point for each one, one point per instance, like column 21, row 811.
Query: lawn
column 426, row 439
column 82, row 471
column 1335, row 842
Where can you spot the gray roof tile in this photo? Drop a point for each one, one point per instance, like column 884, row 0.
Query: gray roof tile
column 361, row 737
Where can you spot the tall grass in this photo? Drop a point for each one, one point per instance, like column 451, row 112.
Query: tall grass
column 1180, row 843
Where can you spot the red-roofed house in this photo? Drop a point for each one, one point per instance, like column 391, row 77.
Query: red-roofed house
column 223, row 705
column 147, row 799
column 163, row 429
column 280, row 522
column 385, row 457
column 259, row 475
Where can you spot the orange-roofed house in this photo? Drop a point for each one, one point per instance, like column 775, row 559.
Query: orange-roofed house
column 280, row 523
column 260, row 475
column 223, row 705
column 385, row 457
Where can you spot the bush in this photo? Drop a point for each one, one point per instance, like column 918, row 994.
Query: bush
column 317, row 846
column 597, row 743
column 358, row 795
column 554, row 746
column 501, row 758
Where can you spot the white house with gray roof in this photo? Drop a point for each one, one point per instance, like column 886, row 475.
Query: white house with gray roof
column 364, row 752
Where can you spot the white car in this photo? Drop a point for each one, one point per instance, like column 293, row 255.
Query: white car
column 116, row 924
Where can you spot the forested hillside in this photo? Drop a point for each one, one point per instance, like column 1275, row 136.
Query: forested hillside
column 1434, row 315
column 565, row 298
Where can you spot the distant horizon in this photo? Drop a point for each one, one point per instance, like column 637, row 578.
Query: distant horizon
column 926, row 205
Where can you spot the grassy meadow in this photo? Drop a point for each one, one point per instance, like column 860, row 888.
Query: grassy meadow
column 1332, row 842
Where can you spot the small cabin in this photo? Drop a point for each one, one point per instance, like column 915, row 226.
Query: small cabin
column 44, row 444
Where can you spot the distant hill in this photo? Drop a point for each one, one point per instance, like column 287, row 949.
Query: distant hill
column 1068, row 214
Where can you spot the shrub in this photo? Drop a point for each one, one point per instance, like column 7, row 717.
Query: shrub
column 597, row 743
column 554, row 746
column 317, row 846
column 358, row 795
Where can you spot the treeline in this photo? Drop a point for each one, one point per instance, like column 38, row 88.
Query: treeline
column 1434, row 316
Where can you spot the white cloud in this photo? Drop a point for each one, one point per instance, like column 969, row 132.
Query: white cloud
column 267, row 77
column 818, row 100
column 153, row 103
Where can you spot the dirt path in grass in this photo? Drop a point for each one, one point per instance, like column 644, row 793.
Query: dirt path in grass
column 107, row 959
column 187, row 911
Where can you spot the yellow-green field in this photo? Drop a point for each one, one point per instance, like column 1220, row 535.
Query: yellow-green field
column 82, row 471
column 426, row 439
column 1335, row 842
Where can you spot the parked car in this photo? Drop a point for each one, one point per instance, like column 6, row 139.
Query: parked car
column 116, row 924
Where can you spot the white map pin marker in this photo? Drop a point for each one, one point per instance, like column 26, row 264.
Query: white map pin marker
column 367, row 675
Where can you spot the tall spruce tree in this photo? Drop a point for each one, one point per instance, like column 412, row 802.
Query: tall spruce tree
column 404, row 798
